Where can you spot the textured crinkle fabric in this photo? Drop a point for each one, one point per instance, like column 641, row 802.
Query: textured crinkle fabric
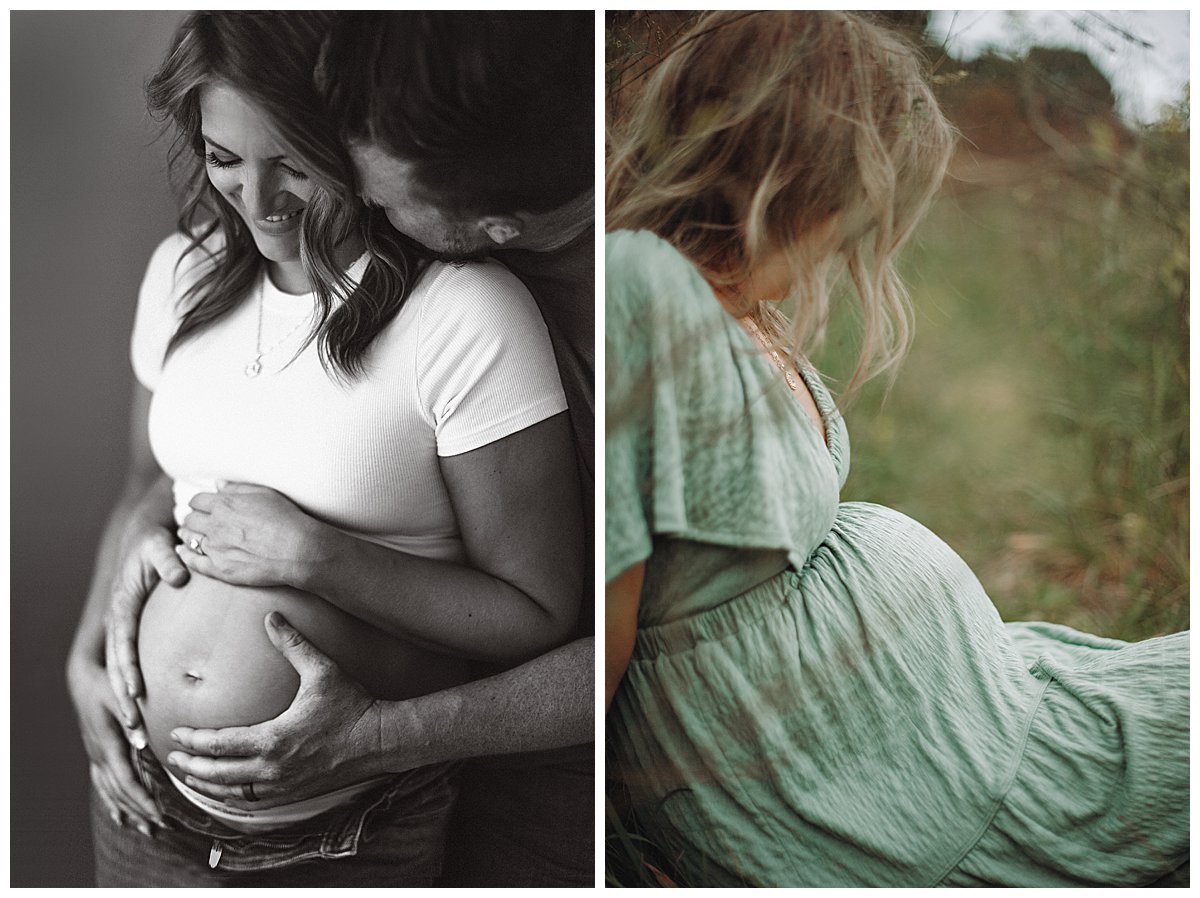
column 864, row 717
column 694, row 419
column 1104, row 797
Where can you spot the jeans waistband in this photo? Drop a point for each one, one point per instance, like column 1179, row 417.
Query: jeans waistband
column 335, row 833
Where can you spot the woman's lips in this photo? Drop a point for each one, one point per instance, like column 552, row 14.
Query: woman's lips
column 279, row 223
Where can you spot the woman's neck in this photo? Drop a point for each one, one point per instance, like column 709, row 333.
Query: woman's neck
column 290, row 277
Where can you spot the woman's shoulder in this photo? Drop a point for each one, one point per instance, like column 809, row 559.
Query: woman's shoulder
column 476, row 295
column 483, row 277
column 179, row 260
column 484, row 365
column 175, row 265
column 640, row 258
column 647, row 280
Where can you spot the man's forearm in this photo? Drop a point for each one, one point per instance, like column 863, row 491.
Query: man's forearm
column 545, row 703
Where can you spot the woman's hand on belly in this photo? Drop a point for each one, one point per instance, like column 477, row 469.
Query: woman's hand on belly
column 250, row 535
column 328, row 738
column 112, row 773
column 147, row 556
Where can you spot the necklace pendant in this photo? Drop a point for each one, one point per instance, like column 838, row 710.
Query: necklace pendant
column 254, row 368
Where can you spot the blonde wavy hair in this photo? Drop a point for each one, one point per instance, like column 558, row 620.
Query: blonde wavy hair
column 758, row 130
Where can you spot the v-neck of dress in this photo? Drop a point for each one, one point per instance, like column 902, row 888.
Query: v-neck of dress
column 832, row 439
column 816, row 389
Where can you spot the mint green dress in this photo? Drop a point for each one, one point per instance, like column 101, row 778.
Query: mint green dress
column 821, row 693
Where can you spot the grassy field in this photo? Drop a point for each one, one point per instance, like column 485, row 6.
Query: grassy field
column 1040, row 423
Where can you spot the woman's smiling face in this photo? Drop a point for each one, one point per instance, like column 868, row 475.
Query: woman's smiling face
column 253, row 170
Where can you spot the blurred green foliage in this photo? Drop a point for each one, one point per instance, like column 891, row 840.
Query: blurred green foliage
column 1040, row 423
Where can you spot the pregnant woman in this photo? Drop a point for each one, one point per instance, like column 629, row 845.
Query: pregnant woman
column 398, row 422
column 810, row 693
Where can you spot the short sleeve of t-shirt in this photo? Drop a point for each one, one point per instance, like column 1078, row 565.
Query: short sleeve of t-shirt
column 158, row 310
column 485, row 365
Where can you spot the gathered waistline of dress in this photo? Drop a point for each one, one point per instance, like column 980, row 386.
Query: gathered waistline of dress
column 719, row 621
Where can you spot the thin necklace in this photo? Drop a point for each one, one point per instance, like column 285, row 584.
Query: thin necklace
column 255, row 367
column 761, row 339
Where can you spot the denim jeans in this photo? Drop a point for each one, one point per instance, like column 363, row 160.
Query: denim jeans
column 392, row 835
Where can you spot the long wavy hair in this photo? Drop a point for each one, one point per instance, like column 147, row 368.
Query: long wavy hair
column 270, row 58
column 755, row 132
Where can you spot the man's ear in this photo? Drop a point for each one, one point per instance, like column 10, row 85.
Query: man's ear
column 501, row 229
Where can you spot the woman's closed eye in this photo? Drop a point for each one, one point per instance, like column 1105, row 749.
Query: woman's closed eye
column 216, row 161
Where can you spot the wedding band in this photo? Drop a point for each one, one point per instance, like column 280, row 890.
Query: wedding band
column 248, row 792
column 194, row 545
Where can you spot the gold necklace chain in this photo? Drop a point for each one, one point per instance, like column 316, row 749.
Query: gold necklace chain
column 789, row 374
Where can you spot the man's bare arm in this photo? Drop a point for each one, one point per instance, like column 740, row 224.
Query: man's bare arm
column 334, row 733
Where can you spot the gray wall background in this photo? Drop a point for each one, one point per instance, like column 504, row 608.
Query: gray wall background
column 89, row 201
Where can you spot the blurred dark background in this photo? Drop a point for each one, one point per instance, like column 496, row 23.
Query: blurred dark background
column 89, row 201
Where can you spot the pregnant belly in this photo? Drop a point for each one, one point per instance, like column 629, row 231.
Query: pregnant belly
column 207, row 661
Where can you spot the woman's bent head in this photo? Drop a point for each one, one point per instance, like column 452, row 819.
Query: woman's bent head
column 260, row 163
column 252, row 139
column 766, row 144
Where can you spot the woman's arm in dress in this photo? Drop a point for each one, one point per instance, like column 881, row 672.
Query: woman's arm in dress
column 621, row 598
column 516, row 596
column 135, row 551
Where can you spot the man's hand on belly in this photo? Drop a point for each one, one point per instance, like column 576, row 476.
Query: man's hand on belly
column 329, row 737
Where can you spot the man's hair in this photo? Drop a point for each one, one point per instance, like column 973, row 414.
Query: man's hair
column 494, row 109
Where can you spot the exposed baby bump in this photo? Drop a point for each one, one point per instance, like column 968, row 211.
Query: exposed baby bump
column 207, row 660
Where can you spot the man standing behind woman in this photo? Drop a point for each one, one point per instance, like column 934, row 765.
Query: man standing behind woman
column 475, row 132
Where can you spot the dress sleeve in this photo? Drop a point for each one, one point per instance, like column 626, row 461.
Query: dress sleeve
column 157, row 314
column 628, row 403
column 485, row 365
column 700, row 442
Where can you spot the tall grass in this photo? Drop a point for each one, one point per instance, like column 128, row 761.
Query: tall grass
column 1040, row 424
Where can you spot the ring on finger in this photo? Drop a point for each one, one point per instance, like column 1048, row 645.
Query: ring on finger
column 248, row 792
column 196, row 544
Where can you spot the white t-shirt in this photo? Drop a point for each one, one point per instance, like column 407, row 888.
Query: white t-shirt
column 467, row 361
